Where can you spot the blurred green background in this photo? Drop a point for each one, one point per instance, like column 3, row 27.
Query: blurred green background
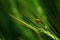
column 18, row 19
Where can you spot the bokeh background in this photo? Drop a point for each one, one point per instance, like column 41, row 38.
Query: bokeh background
column 18, row 19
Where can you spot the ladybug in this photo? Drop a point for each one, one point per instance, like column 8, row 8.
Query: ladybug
column 38, row 20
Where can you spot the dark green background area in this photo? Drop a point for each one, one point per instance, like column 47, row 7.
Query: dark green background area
column 48, row 11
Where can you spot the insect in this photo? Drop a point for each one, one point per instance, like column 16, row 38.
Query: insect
column 38, row 20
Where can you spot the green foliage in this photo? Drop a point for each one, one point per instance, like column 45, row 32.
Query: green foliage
column 18, row 20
